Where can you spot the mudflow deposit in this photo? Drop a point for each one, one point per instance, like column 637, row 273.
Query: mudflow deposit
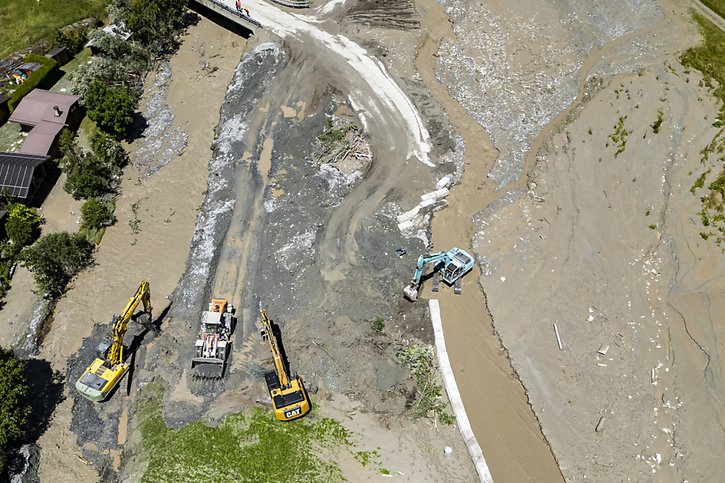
column 586, row 342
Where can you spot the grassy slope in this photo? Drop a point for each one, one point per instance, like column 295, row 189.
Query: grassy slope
column 709, row 58
column 250, row 446
column 717, row 6
column 27, row 21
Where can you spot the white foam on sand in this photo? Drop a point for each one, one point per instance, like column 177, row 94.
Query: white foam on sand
column 330, row 6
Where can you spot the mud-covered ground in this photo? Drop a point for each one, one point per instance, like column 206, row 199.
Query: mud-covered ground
column 259, row 239
column 573, row 223
column 596, row 232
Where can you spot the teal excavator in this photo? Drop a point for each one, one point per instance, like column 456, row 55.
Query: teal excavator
column 450, row 265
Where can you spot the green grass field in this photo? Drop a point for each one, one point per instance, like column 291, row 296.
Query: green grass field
column 27, row 21
column 249, row 446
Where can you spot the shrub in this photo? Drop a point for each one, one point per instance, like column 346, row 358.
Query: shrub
column 55, row 259
column 418, row 360
column 47, row 68
column 71, row 154
column 73, row 39
column 87, row 176
column 96, row 214
column 111, row 107
column 22, row 225
column 66, row 142
column 378, row 325
column 14, row 408
column 91, row 174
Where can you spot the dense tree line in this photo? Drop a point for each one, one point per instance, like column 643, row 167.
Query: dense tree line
column 14, row 407
column 110, row 87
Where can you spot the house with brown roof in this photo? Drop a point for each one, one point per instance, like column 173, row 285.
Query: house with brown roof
column 44, row 114
column 41, row 105
column 41, row 139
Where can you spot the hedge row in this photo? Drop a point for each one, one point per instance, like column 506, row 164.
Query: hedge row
column 48, row 69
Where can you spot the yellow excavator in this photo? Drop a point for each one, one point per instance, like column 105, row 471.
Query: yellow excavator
column 289, row 397
column 106, row 371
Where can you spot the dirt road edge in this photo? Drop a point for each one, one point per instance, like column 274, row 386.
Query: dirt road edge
column 454, row 396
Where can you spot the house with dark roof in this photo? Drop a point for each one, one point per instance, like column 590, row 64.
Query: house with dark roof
column 22, row 174
column 59, row 54
column 4, row 108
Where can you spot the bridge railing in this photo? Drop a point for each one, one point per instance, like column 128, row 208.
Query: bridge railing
column 233, row 11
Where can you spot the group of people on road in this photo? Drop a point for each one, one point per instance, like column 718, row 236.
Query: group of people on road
column 241, row 9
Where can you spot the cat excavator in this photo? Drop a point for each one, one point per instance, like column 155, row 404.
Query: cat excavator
column 288, row 394
column 452, row 265
column 108, row 369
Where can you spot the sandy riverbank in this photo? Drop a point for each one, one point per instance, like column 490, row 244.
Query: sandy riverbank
column 496, row 403
column 166, row 207
column 600, row 235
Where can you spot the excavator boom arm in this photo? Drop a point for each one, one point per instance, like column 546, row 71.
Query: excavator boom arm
column 142, row 295
column 278, row 362
column 423, row 261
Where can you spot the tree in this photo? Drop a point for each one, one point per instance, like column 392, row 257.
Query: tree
column 67, row 142
column 111, row 107
column 14, row 408
column 110, row 72
column 154, row 22
column 22, row 224
column 87, row 176
column 55, row 259
column 96, row 214
column 71, row 38
column 109, row 150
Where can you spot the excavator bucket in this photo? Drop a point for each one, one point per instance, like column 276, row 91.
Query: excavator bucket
column 411, row 292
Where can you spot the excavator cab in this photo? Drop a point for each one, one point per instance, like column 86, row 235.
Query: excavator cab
column 450, row 265
column 458, row 264
column 107, row 370
column 452, row 271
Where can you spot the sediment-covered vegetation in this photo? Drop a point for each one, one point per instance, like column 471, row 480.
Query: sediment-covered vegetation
column 709, row 58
